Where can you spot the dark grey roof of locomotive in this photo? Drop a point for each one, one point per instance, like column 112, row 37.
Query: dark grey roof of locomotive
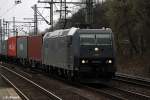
column 95, row 30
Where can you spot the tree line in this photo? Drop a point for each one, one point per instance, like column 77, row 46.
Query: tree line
column 129, row 20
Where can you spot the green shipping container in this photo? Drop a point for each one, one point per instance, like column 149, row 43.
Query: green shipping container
column 22, row 47
column 4, row 48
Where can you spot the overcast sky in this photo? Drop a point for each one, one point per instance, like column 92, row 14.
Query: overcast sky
column 8, row 10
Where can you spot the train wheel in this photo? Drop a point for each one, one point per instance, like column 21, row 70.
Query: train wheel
column 59, row 72
column 70, row 75
column 76, row 76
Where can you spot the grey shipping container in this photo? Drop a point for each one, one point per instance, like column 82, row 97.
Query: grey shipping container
column 22, row 47
column 4, row 47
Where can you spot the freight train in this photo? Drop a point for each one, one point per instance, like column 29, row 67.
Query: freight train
column 86, row 55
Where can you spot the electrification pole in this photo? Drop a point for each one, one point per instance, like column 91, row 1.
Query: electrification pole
column 51, row 14
column 35, row 20
column 3, row 35
column 63, row 13
column 1, row 27
column 7, row 28
column 63, row 10
column 65, row 22
column 89, row 13
column 14, row 27
column 0, row 35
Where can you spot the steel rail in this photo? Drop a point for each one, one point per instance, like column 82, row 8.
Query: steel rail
column 133, row 80
column 21, row 94
column 45, row 90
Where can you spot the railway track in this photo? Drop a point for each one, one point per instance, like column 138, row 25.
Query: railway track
column 94, row 93
column 118, row 93
column 145, row 82
column 136, row 86
column 82, row 90
column 114, row 92
column 22, row 95
column 29, row 90
column 48, row 83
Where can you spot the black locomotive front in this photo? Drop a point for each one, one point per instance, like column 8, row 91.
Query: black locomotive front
column 97, row 58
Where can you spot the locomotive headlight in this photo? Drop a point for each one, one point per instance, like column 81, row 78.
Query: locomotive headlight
column 109, row 61
column 96, row 49
column 83, row 61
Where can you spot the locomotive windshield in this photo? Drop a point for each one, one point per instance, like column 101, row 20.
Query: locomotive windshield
column 103, row 39
column 95, row 39
column 87, row 39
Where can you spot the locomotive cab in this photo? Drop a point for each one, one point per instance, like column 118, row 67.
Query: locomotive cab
column 97, row 59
